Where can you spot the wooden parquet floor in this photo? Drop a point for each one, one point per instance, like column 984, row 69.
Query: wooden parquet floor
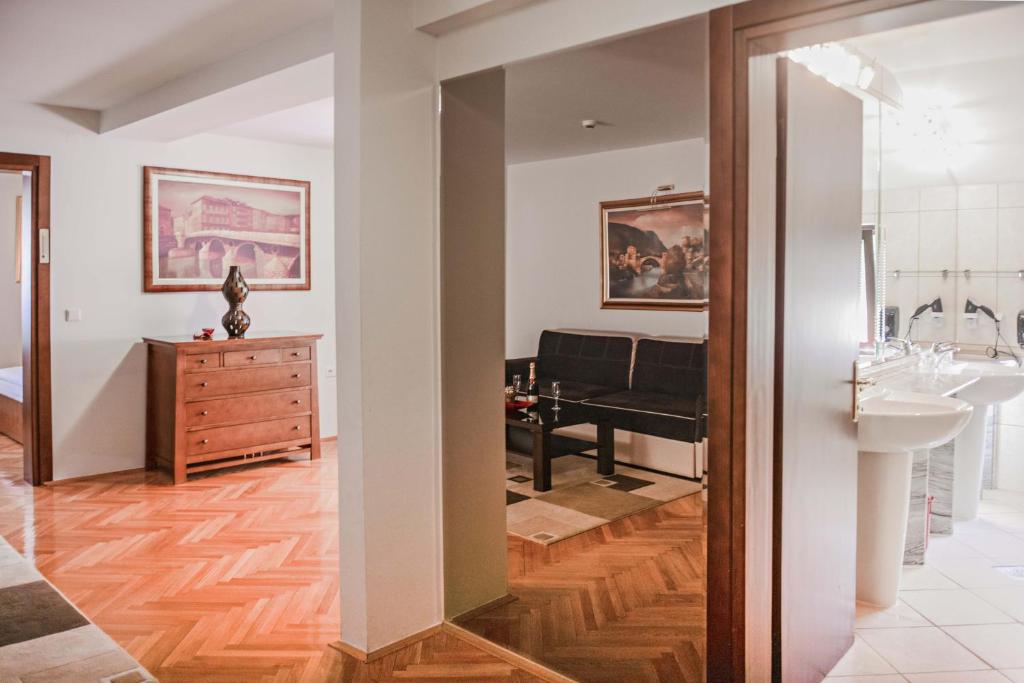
column 623, row 603
column 234, row 579
column 231, row 579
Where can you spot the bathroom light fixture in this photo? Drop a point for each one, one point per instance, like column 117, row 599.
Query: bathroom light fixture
column 847, row 67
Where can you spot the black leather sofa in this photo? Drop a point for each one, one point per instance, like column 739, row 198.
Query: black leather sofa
column 666, row 394
column 647, row 385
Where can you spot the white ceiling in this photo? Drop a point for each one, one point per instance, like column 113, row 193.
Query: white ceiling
column 94, row 54
column 971, row 68
column 644, row 89
column 308, row 124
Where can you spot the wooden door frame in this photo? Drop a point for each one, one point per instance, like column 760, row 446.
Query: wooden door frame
column 734, row 31
column 38, row 425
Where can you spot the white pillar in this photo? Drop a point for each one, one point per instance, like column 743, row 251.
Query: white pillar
column 385, row 269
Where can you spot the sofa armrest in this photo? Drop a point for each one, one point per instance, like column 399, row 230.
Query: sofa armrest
column 518, row 366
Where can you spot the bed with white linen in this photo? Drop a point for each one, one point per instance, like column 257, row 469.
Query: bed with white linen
column 12, row 394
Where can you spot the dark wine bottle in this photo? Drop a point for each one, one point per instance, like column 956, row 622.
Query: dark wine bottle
column 532, row 395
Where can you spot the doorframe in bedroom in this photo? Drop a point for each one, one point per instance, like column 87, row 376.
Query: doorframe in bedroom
column 35, row 334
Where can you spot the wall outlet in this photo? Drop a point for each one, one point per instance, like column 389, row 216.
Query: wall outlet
column 73, row 315
column 331, row 372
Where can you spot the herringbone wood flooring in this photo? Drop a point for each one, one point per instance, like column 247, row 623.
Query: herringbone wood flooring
column 232, row 578
column 625, row 602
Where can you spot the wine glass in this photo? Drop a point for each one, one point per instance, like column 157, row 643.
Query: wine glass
column 517, row 384
column 556, row 392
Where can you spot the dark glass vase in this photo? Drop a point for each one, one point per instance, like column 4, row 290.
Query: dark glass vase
column 235, row 290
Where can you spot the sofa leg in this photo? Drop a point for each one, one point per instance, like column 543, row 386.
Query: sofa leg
column 605, row 448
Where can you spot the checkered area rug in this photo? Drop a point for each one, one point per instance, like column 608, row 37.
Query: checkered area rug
column 580, row 499
column 44, row 639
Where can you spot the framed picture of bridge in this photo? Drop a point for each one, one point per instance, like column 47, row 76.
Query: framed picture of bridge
column 654, row 252
column 196, row 224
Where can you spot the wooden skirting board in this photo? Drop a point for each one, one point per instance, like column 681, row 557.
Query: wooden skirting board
column 367, row 657
column 517, row 660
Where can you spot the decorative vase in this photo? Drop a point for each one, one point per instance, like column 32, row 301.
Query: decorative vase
column 235, row 290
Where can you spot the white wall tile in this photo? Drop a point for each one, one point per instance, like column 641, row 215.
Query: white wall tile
column 901, row 200
column 1011, row 239
column 1011, row 194
column 938, row 198
column 902, row 237
column 976, row 239
column 870, row 202
column 977, row 196
column 938, row 240
column 1012, row 413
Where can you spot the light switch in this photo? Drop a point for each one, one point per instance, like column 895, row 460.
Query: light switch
column 73, row 315
column 330, row 372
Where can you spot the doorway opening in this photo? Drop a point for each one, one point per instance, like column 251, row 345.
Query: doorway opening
column 574, row 261
column 812, row 177
column 25, row 419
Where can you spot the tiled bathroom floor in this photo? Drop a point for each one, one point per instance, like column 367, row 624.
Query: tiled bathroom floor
column 960, row 617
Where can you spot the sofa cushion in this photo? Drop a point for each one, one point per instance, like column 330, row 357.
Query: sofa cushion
column 648, row 412
column 589, row 359
column 677, row 368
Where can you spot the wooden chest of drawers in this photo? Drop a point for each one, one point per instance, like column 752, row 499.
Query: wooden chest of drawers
column 226, row 402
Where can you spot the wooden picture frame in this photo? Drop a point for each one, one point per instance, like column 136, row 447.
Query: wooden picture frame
column 654, row 253
column 196, row 223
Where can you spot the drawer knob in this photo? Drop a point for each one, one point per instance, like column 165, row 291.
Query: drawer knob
column 297, row 401
column 295, row 376
column 204, row 384
column 252, row 357
column 205, row 441
column 205, row 412
column 295, row 353
column 297, row 427
column 202, row 361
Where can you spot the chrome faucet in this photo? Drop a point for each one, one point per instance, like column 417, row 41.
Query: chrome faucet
column 944, row 351
column 903, row 345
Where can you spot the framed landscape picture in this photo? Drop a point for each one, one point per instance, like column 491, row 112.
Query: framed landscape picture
column 196, row 224
column 654, row 252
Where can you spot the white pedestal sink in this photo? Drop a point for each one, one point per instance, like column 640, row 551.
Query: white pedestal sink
column 892, row 424
column 997, row 382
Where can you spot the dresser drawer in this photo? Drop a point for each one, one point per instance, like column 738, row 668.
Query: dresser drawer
column 200, row 385
column 217, row 439
column 295, row 353
column 233, row 359
column 197, row 362
column 258, row 407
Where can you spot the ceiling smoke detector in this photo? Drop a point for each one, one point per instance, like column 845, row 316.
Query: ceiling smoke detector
column 590, row 124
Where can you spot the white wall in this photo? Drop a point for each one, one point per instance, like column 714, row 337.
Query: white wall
column 98, row 364
column 10, row 291
column 553, row 262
